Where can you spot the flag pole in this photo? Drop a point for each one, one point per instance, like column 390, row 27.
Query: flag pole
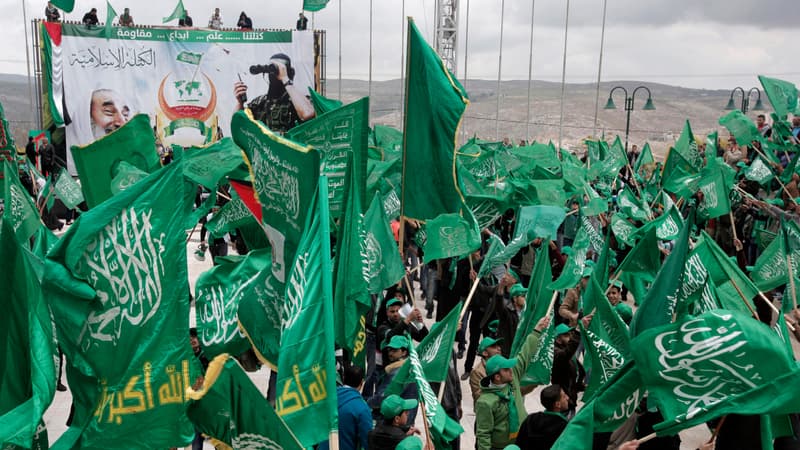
column 340, row 49
column 466, row 55
column 499, row 72
column 530, row 77
column 600, row 69
column 369, row 89
column 791, row 281
column 28, row 58
column 405, row 134
column 744, row 299
column 563, row 81
column 469, row 298
column 428, row 440
column 403, row 66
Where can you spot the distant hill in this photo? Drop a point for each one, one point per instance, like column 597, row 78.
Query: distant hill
column 660, row 127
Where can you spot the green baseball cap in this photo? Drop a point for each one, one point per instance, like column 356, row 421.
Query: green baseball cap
column 563, row 328
column 394, row 405
column 492, row 326
column 517, row 290
column 497, row 362
column 587, row 271
column 410, row 443
column 514, row 274
column 488, row 342
column 393, row 301
column 398, row 341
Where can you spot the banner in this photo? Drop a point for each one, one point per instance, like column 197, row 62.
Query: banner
column 183, row 79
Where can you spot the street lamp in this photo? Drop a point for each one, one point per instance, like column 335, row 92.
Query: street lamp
column 648, row 106
column 745, row 100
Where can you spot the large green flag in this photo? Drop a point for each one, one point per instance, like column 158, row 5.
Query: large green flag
column 434, row 352
column 118, row 286
column 68, row 190
column 314, row 5
column 606, row 341
column 435, row 101
column 218, row 292
column 285, row 176
column 382, row 263
column 782, row 95
column 632, row 206
column 644, row 259
column 208, row 165
column 770, row 269
column 97, row 163
column 538, row 221
column 351, row 298
column 306, row 365
column 679, row 175
column 612, row 405
column 760, row 172
column 22, row 213
column 622, row 228
column 573, row 269
column 231, row 409
column 178, row 13
column 29, row 357
column 7, row 148
column 742, row 128
column 323, row 104
column 716, row 192
column 686, row 145
column 337, row 134
column 537, row 302
column 661, row 303
column 718, row 363
column 596, row 240
column 451, row 235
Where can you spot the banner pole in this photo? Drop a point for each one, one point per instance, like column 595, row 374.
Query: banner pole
column 469, row 299
column 530, row 77
column 600, row 70
column 563, row 82
column 499, row 72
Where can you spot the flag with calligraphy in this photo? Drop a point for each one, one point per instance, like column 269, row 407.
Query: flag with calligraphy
column 717, row 363
column 97, row 163
column 67, row 190
column 537, row 302
column 218, row 292
column 23, row 215
column 230, row 409
column 382, row 263
column 760, row 172
column 679, row 175
column 643, row 261
column 644, row 165
column 612, row 405
column 118, row 287
column 771, row 269
column 686, row 145
column 29, row 359
column 233, row 214
column 573, row 269
column 208, row 165
column 781, row 94
column 661, row 303
column 306, row 365
column 435, row 101
column 451, row 235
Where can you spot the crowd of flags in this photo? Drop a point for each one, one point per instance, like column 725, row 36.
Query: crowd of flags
column 112, row 292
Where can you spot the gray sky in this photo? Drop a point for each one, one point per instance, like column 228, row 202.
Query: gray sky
column 693, row 43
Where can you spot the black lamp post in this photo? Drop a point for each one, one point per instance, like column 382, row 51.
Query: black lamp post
column 745, row 106
column 648, row 106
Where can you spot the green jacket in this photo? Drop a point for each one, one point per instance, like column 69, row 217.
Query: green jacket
column 492, row 408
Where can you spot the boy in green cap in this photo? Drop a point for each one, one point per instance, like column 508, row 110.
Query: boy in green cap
column 500, row 409
column 392, row 429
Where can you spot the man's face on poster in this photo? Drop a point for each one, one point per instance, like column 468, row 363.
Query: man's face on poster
column 108, row 111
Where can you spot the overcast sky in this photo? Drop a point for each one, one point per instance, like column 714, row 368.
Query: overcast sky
column 693, row 43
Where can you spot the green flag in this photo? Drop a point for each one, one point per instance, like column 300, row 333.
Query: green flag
column 208, row 165
column 231, row 409
column 22, row 214
column 65, row 5
column 110, row 15
column 231, row 216
column 538, row 221
column 643, row 167
column 314, row 5
column 351, row 298
column 382, row 263
column 632, row 206
column 67, row 190
column 573, row 269
column 679, row 175
column 29, row 357
column 118, row 286
column 770, row 269
column 537, row 302
column 686, row 145
column 716, row 201
column 742, row 128
column 218, row 292
column 323, row 104
column 178, row 13
column 337, row 134
column 660, row 304
column 760, row 172
column 782, row 95
column 435, row 102
column 718, row 363
column 612, row 405
column 7, row 149
column 644, row 259
column 96, row 163
column 451, row 235
column 596, row 240
column 306, row 365
column 623, row 229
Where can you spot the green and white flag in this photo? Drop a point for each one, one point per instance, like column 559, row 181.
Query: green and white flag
column 323, row 104
column 679, row 175
column 383, row 266
column 189, row 58
column 645, row 163
column 759, row 171
column 23, row 217
column 118, row 287
column 451, row 235
column 623, row 230
column 218, row 292
column 770, row 269
column 716, row 191
column 231, row 216
column 718, row 363
column 538, row 221
column 573, row 269
column 742, row 128
column 178, row 13
column 537, row 302
column 782, row 94
column 686, row 145
column 29, row 360
column 68, row 190
column 208, row 166
column 306, row 365
column 632, row 206
column 596, row 240
column 314, row 5
column 229, row 408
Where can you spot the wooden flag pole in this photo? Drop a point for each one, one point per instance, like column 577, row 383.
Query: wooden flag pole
column 744, row 299
column 428, row 440
column 792, row 286
column 552, row 304
column 333, row 440
column 441, row 391
column 469, row 298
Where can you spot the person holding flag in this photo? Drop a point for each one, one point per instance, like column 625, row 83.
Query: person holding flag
column 393, row 427
column 488, row 347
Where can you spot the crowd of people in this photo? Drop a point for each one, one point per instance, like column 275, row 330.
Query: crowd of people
column 215, row 22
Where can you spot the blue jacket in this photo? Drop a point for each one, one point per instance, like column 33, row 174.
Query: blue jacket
column 355, row 420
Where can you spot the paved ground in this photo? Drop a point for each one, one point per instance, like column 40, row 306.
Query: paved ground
column 56, row 415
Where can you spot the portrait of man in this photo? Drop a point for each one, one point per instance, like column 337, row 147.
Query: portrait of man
column 108, row 111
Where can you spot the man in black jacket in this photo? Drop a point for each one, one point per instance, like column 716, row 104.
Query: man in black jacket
column 541, row 430
column 393, row 428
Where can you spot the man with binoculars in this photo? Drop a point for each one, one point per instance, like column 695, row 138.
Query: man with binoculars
column 284, row 105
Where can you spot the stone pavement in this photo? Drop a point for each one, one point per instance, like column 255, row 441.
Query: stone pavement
column 57, row 414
